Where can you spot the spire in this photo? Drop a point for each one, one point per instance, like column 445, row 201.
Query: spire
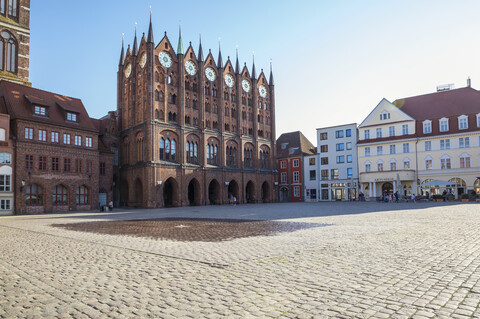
column 237, row 65
column 122, row 55
column 253, row 67
column 200, row 51
column 135, row 49
column 271, row 82
column 150, row 31
column 220, row 61
column 180, row 44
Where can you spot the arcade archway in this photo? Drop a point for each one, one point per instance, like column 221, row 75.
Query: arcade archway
column 138, row 192
column 194, row 192
column 250, row 192
column 265, row 192
column 233, row 190
column 170, row 193
column 214, row 192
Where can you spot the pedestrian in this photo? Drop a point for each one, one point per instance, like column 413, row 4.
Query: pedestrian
column 396, row 197
column 234, row 201
column 413, row 197
column 110, row 205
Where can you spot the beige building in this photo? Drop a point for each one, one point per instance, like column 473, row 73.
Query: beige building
column 432, row 138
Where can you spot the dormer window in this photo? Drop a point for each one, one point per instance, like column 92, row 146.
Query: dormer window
column 427, row 127
column 443, row 125
column 385, row 115
column 40, row 110
column 72, row 117
column 462, row 122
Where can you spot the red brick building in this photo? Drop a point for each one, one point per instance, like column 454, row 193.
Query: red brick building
column 291, row 149
column 193, row 130
column 6, row 165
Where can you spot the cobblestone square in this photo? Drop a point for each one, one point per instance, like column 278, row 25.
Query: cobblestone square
column 374, row 260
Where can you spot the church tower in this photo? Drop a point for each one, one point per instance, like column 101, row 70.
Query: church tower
column 193, row 131
column 15, row 40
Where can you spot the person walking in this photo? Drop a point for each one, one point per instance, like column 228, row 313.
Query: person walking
column 396, row 197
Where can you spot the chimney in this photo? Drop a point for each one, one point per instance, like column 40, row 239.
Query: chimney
column 469, row 82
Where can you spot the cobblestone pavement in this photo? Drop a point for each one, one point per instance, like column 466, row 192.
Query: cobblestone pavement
column 376, row 260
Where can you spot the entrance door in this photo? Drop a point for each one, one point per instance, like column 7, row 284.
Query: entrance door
column 284, row 194
column 102, row 198
column 339, row 193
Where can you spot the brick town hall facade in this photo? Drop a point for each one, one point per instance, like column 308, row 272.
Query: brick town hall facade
column 192, row 130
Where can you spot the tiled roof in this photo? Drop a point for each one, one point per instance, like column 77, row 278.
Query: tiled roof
column 441, row 104
column 21, row 99
column 296, row 144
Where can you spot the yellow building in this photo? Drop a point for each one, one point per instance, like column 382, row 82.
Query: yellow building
column 427, row 143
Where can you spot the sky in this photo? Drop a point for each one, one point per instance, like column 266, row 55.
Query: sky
column 333, row 61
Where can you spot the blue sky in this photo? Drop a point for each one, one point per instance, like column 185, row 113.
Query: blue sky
column 333, row 61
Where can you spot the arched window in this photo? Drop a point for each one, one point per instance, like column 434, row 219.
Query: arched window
column 161, row 146
column 195, row 152
column 59, row 195
column 167, row 149
column 8, row 52
column 173, row 149
column 82, row 195
column 34, row 195
column 187, row 151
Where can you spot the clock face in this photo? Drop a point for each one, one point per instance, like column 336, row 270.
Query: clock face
column 128, row 70
column 229, row 81
column 165, row 59
column 262, row 90
column 190, row 67
column 246, row 85
column 210, row 74
column 143, row 60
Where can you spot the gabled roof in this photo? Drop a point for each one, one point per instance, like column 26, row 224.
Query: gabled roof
column 20, row 100
column 441, row 104
column 296, row 144
column 384, row 104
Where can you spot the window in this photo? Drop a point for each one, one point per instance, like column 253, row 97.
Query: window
column 212, row 150
column 380, row 167
column 28, row 161
column 324, row 160
column 5, row 183
column 55, row 165
column 323, row 148
column 2, row 134
column 59, row 195
column 393, row 149
column 40, row 110
column 42, row 135
column 323, row 136
column 406, row 164
column 313, row 175
column 385, row 115
column 366, row 134
column 312, row 161
column 334, row 173
column 465, row 162
column 5, row 204
column 42, row 163
column 445, row 163
column 445, row 144
column 367, row 151
column 340, row 159
column 313, row 194
column 66, row 139
column 283, row 177
column 340, row 147
column 339, row 134
column 295, row 163
column 82, row 195
column 296, row 191
column 89, row 166
column 478, row 120
column 72, row 117
column 66, row 165
column 296, row 177
column 349, row 145
column 379, row 150
column 28, row 133
column 349, row 172
column 8, row 45
column 443, row 125
column 54, row 137
column 379, row 133
column 5, row 158
column 393, row 166
column 406, row 148
column 348, row 132
column 405, row 129
column 462, row 122
column 34, row 195
column 391, row 131
column 427, row 127
column 464, row 142
column 368, row 168
column 78, row 140
column 167, row 149
column 428, row 164
column 102, row 169
column 324, row 173
column 78, row 165
column 283, row 164
column 427, row 145
column 88, row 142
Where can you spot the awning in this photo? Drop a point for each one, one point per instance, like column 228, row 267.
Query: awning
column 438, row 183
